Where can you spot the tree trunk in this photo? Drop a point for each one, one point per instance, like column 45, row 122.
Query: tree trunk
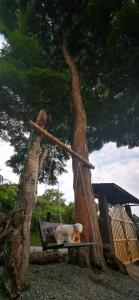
column 85, row 209
column 46, row 257
column 18, row 240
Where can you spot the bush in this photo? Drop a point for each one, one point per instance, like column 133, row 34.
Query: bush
column 8, row 198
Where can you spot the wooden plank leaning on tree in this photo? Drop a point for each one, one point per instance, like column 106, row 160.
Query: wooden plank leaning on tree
column 56, row 141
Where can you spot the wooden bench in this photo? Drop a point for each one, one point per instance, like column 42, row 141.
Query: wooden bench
column 47, row 233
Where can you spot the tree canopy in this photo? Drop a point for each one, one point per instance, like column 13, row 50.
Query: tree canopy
column 102, row 37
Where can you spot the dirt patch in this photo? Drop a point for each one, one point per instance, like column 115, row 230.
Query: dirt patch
column 133, row 271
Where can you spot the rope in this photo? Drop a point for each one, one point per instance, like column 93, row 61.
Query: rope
column 49, row 173
column 51, row 163
column 77, row 177
column 60, row 215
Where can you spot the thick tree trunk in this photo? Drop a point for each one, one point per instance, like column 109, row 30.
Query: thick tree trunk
column 85, row 209
column 18, row 239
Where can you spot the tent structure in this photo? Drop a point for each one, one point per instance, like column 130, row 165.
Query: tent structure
column 114, row 193
column 117, row 227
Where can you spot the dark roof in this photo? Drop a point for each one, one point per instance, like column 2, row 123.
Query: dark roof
column 114, row 193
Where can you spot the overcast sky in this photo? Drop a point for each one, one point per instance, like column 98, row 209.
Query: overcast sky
column 112, row 164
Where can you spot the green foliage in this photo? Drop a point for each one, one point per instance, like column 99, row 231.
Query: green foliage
column 8, row 8
column 52, row 201
column 20, row 50
column 8, row 198
column 35, row 239
column 24, row 81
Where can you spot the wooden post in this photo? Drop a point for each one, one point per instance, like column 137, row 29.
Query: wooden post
column 18, row 227
column 56, row 141
column 105, row 223
column 128, row 211
column 125, row 234
column 48, row 219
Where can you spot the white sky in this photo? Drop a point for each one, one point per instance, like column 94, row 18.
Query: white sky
column 2, row 40
column 112, row 164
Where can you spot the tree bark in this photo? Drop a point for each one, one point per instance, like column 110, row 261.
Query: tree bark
column 85, row 210
column 18, row 240
column 45, row 257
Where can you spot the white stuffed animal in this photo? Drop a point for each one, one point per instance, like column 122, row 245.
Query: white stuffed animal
column 68, row 231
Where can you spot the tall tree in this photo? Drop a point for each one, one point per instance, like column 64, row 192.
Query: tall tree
column 84, row 200
column 85, row 210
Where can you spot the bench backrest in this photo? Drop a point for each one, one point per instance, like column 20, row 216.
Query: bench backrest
column 47, row 232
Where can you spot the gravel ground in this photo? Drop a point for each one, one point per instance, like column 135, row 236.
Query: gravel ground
column 69, row 282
